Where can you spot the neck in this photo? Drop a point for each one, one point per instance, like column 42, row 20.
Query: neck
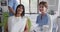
column 42, row 14
column 17, row 15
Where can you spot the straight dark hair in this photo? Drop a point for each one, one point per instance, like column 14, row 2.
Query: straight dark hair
column 23, row 13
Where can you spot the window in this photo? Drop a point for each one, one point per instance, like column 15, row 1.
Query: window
column 30, row 5
column 26, row 4
column 33, row 6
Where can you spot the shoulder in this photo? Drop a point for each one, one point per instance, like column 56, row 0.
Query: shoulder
column 38, row 15
column 48, row 15
column 10, row 17
column 25, row 17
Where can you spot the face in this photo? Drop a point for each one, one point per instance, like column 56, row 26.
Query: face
column 20, row 10
column 42, row 9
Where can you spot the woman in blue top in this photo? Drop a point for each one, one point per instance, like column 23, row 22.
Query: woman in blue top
column 43, row 18
column 12, row 4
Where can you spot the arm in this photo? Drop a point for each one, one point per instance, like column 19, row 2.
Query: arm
column 50, row 23
column 6, row 28
column 26, row 27
column 7, row 25
column 55, row 25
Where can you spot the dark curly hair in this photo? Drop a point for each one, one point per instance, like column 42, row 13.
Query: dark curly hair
column 44, row 4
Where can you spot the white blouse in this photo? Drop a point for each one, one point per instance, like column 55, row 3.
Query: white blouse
column 16, row 24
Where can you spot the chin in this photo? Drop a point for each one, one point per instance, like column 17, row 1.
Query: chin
column 18, row 13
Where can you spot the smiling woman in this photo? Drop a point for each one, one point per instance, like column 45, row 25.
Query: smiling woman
column 18, row 22
column 43, row 19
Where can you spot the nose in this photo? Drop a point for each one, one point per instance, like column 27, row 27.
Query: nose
column 40, row 7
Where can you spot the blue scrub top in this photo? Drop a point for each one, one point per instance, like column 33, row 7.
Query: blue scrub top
column 43, row 21
column 13, row 4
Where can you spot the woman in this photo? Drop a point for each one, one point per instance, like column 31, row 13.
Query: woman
column 18, row 22
column 43, row 19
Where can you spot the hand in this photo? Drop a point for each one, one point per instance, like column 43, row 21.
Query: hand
column 25, row 30
column 45, row 28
